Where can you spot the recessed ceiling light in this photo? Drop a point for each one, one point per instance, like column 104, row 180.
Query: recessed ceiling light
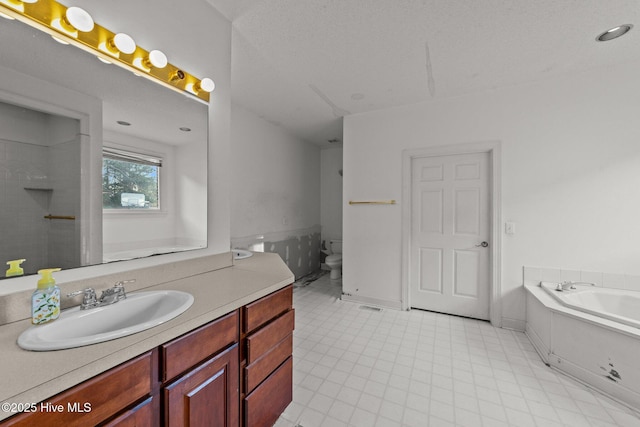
column 123, row 123
column 614, row 33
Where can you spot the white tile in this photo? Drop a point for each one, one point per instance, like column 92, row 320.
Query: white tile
column 532, row 275
column 570, row 275
column 403, row 369
column 520, row 419
column 375, row 388
column 551, row 275
column 310, row 417
column 361, row 418
column 341, row 411
column 329, row 388
column 466, row 418
column 610, row 280
column 632, row 283
column 591, row 277
column 321, row 403
column 369, row 403
column 391, row 410
column 333, row 422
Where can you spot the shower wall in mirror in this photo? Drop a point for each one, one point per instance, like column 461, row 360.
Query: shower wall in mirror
column 51, row 158
column 40, row 170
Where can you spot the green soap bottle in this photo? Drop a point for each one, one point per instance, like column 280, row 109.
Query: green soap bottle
column 45, row 301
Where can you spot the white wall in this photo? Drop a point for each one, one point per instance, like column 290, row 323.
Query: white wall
column 570, row 178
column 276, row 178
column 275, row 191
column 331, row 193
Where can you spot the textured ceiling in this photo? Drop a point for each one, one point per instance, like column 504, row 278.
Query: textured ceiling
column 305, row 64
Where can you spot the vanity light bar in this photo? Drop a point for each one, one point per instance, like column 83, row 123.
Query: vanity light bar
column 53, row 18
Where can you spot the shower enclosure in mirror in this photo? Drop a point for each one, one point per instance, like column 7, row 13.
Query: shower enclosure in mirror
column 96, row 164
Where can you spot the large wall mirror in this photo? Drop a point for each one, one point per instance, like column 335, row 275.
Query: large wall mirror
column 121, row 179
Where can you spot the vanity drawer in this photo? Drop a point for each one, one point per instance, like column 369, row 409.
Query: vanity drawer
column 107, row 394
column 187, row 351
column 257, row 371
column 260, row 312
column 263, row 407
column 263, row 340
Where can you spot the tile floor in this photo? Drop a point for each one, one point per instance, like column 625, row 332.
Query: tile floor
column 359, row 367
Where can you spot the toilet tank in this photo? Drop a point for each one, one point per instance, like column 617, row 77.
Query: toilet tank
column 335, row 246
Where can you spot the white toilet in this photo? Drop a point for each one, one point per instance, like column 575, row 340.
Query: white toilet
column 334, row 260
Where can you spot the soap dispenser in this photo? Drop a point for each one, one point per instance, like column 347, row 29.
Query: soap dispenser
column 45, row 301
column 14, row 268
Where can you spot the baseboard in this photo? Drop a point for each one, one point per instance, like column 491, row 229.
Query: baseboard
column 600, row 383
column 538, row 344
column 395, row 305
column 515, row 324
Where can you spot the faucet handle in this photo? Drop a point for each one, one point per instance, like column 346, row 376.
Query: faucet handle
column 86, row 292
column 121, row 283
column 117, row 290
column 89, row 296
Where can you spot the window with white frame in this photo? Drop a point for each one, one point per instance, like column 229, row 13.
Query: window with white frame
column 130, row 180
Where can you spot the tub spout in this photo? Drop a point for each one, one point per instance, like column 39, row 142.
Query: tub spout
column 567, row 285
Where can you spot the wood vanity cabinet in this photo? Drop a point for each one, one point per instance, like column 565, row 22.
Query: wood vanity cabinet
column 202, row 394
column 233, row 371
column 266, row 358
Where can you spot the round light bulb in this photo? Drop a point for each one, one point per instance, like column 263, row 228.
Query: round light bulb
column 59, row 40
column 207, row 85
column 158, row 59
column 124, row 43
column 79, row 19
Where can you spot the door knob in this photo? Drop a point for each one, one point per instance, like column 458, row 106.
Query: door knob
column 483, row 244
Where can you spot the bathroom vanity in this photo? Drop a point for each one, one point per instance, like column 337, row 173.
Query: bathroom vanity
column 224, row 362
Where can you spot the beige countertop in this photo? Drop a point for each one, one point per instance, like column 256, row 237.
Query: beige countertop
column 31, row 377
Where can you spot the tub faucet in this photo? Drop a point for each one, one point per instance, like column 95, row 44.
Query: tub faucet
column 567, row 285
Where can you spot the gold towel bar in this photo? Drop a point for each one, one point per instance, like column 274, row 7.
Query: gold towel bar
column 69, row 217
column 373, row 202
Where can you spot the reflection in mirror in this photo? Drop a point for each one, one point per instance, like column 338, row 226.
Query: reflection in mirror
column 54, row 154
column 39, row 189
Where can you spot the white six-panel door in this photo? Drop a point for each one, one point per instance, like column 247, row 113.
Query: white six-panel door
column 450, row 234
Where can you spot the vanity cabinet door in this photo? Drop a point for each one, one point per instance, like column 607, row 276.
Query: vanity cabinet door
column 207, row 396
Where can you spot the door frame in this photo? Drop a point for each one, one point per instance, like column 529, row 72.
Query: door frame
column 494, row 149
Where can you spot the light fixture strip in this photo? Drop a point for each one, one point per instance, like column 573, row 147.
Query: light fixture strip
column 45, row 13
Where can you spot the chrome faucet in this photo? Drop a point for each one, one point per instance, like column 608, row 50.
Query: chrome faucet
column 108, row 296
column 89, row 298
column 567, row 285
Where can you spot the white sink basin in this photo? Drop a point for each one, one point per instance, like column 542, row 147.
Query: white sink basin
column 77, row 328
column 241, row 253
